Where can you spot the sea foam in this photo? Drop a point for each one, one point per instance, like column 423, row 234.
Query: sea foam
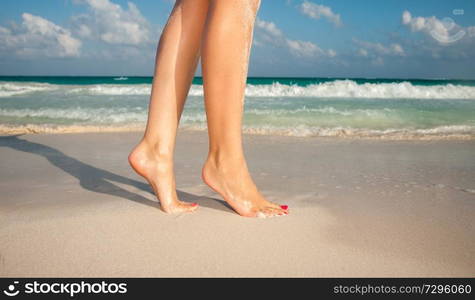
column 8, row 89
column 332, row 89
column 338, row 108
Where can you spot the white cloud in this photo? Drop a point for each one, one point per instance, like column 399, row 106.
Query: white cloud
column 406, row 17
column 363, row 52
column 269, row 27
column 397, row 49
column 376, row 51
column 303, row 48
column 471, row 31
column 444, row 31
column 112, row 24
column 378, row 61
column 36, row 36
column 317, row 11
column 268, row 33
column 442, row 39
column 368, row 49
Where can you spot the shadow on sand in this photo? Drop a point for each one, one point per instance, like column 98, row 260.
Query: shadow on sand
column 99, row 180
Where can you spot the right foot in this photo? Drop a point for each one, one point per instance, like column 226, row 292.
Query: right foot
column 234, row 183
column 158, row 171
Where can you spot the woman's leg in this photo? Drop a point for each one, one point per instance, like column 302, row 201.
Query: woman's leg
column 225, row 56
column 177, row 57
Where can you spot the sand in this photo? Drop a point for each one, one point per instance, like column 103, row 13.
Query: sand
column 71, row 206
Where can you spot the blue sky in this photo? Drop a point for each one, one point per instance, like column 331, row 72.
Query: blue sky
column 317, row 38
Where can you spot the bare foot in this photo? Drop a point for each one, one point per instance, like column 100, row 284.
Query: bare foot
column 234, row 183
column 159, row 173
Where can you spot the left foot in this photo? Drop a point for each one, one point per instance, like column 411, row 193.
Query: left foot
column 158, row 171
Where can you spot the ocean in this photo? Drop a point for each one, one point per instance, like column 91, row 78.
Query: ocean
column 304, row 107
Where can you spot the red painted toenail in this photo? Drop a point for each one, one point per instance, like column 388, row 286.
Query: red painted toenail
column 284, row 207
column 194, row 204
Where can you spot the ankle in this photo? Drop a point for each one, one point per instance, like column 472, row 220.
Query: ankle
column 223, row 160
column 157, row 150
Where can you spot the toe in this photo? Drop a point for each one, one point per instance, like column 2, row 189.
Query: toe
column 279, row 207
column 180, row 207
column 270, row 211
column 281, row 212
column 192, row 206
column 274, row 205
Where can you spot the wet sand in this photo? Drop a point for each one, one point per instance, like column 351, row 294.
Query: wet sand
column 71, row 206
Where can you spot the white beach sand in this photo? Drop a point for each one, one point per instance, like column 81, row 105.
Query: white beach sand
column 71, row 206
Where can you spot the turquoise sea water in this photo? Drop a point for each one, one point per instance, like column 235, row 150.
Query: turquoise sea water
column 286, row 106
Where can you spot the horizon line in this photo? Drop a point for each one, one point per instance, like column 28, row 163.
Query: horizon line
column 278, row 77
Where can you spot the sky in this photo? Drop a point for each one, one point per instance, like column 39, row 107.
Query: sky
column 305, row 38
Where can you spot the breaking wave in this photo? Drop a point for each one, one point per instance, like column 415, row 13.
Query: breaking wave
column 332, row 89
